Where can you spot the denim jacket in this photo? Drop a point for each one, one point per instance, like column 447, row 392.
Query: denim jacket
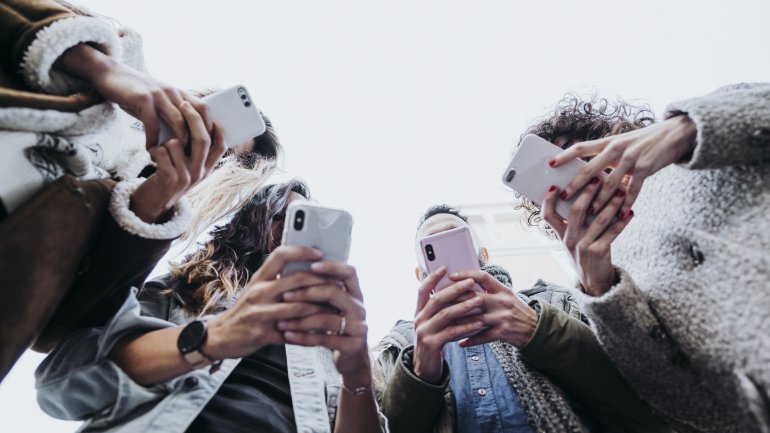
column 77, row 381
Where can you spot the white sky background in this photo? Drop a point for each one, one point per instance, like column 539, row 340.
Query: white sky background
column 386, row 108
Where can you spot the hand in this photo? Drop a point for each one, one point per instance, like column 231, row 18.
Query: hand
column 137, row 93
column 251, row 322
column 441, row 319
column 506, row 316
column 178, row 172
column 343, row 292
column 636, row 154
column 589, row 245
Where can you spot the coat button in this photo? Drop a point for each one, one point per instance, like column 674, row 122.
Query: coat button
column 191, row 382
column 475, row 357
column 657, row 333
column 697, row 254
column 482, row 392
column 760, row 137
column 680, row 360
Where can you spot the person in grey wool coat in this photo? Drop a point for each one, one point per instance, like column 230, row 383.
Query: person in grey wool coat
column 677, row 287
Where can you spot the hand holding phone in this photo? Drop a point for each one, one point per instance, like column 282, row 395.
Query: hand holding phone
column 234, row 110
column 530, row 174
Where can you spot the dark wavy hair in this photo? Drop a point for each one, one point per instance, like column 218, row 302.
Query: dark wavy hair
column 440, row 209
column 218, row 270
column 575, row 119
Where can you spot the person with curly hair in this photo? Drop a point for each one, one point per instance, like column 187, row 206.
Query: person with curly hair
column 224, row 344
column 674, row 261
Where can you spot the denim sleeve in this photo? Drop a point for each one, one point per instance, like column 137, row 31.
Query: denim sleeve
column 77, row 381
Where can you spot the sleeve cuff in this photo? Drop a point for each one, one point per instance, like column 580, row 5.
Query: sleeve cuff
column 50, row 44
column 119, row 208
column 411, row 381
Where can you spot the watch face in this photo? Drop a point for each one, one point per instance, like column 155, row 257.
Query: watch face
column 192, row 337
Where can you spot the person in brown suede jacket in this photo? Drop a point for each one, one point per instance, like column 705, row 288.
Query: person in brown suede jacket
column 78, row 224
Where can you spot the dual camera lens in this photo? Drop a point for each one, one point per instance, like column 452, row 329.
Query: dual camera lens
column 429, row 252
column 244, row 97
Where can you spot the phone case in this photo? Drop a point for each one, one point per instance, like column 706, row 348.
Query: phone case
column 453, row 249
column 530, row 175
column 235, row 111
column 323, row 228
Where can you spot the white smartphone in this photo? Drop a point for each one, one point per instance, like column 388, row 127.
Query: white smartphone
column 235, row 111
column 319, row 227
column 530, row 175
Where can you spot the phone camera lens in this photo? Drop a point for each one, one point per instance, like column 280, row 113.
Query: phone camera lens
column 247, row 103
column 243, row 96
column 299, row 220
column 429, row 252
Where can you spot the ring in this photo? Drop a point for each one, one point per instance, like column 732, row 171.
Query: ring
column 343, row 323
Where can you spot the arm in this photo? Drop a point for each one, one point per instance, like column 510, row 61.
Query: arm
column 567, row 351
column 733, row 126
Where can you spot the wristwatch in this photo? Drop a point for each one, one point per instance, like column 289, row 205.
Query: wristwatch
column 190, row 342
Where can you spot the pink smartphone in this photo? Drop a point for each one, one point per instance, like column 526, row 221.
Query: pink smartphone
column 453, row 249
column 529, row 174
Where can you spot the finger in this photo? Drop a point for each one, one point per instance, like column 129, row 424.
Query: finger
column 580, row 150
column 218, row 147
column 295, row 281
column 427, row 287
column 603, row 219
column 324, row 323
column 577, row 214
column 179, row 159
column 451, row 315
column 200, row 141
column 481, row 338
column 485, row 280
column 593, row 168
column 169, row 111
column 455, row 332
column 548, row 212
column 613, row 183
column 151, row 125
column 282, row 255
column 633, row 189
column 331, row 294
column 282, row 311
column 445, row 296
column 159, row 155
column 343, row 343
column 615, row 229
column 343, row 272
column 202, row 108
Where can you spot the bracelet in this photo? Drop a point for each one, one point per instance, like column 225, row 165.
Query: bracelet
column 359, row 390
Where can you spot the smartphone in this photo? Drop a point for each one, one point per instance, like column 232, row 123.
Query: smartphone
column 530, row 175
column 235, row 111
column 454, row 249
column 319, row 227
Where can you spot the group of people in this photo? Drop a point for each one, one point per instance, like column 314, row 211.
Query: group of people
column 666, row 329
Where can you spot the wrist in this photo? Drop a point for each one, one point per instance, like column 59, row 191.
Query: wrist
column 86, row 61
column 215, row 346
column 686, row 133
column 426, row 368
column 150, row 207
column 527, row 320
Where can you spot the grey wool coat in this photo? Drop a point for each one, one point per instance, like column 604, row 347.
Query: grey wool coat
column 688, row 325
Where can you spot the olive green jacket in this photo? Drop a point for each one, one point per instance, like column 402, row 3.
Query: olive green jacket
column 563, row 348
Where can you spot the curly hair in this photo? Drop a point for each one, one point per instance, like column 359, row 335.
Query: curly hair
column 576, row 119
column 217, row 271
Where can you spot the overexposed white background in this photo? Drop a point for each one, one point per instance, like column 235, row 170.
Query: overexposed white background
column 388, row 107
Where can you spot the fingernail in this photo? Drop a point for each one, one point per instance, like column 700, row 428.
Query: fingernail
column 318, row 253
column 289, row 335
column 282, row 324
column 441, row 270
column 620, row 193
column 594, row 180
column 591, row 210
column 317, row 266
column 288, row 296
column 552, row 188
column 552, row 162
column 630, row 213
column 454, row 275
column 563, row 195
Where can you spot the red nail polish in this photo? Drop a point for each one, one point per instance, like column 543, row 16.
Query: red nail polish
column 563, row 195
column 620, row 193
column 591, row 210
column 630, row 213
column 552, row 162
column 552, row 188
column 594, row 180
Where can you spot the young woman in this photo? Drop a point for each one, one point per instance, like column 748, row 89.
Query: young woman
column 676, row 285
column 216, row 345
